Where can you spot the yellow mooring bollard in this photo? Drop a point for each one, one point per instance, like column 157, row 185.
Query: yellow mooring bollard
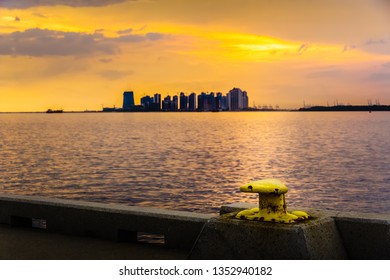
column 272, row 203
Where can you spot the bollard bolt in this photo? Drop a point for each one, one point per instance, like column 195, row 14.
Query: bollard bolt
column 272, row 203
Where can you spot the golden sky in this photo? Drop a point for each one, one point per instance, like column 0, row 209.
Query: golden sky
column 82, row 54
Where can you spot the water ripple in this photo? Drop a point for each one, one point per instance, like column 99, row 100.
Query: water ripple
column 197, row 161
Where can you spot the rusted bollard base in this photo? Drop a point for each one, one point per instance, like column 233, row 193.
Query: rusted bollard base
column 256, row 214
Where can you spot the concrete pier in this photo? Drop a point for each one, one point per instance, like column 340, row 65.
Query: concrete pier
column 240, row 239
column 34, row 227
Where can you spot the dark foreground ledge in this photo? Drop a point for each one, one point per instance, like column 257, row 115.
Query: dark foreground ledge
column 31, row 244
column 44, row 228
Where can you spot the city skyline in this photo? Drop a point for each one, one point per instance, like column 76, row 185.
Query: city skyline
column 76, row 55
column 234, row 100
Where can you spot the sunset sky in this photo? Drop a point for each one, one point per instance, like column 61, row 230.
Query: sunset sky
column 82, row 54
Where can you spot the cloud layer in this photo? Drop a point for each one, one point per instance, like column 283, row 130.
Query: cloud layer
column 43, row 42
column 22, row 4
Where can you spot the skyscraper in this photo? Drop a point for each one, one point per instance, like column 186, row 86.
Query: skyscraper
column 237, row 99
column 166, row 103
column 128, row 100
column 175, row 103
column 147, row 102
column 225, row 102
column 207, row 102
column 201, row 101
column 218, row 102
column 245, row 100
column 157, row 100
column 183, row 102
column 192, row 102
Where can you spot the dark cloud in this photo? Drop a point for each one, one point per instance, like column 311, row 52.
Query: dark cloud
column 375, row 42
column 129, row 39
column 143, row 27
column 43, row 42
column 136, row 38
column 302, row 48
column 40, row 15
column 21, row 4
column 125, row 31
column 154, row 36
column 378, row 46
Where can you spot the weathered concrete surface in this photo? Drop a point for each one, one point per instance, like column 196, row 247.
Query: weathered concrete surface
column 229, row 238
column 233, row 207
column 34, row 244
column 105, row 221
column 85, row 230
column 365, row 236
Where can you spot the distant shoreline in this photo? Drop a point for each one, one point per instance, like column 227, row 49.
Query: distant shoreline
column 346, row 108
column 338, row 108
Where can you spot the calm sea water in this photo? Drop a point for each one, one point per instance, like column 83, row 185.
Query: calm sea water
column 197, row 161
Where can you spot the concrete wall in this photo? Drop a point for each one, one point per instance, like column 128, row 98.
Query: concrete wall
column 363, row 236
column 331, row 235
column 106, row 221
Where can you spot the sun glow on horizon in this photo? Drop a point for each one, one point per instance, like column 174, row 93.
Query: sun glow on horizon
column 82, row 57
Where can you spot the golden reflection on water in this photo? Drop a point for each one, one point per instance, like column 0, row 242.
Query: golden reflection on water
column 197, row 161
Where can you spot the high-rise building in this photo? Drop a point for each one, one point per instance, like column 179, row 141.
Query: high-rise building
column 201, row 101
column 157, row 101
column 237, row 99
column 166, row 103
column 245, row 100
column 207, row 102
column 128, row 100
column 218, row 102
column 225, row 105
column 183, row 102
column 175, row 103
column 147, row 102
column 192, row 102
